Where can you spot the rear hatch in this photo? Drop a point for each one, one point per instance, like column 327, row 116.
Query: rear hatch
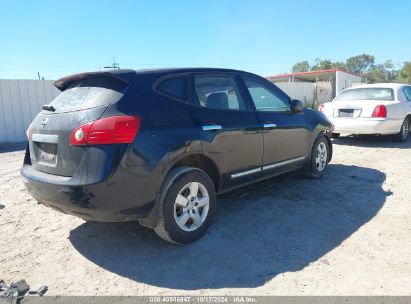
column 84, row 98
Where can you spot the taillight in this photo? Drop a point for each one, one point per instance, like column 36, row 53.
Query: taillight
column 109, row 130
column 79, row 135
column 380, row 111
column 321, row 108
column 28, row 132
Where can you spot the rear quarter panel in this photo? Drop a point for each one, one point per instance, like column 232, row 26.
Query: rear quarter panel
column 396, row 110
column 404, row 104
column 166, row 124
column 167, row 132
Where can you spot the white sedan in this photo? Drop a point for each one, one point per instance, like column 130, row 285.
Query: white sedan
column 383, row 108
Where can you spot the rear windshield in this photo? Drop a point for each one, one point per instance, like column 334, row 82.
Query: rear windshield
column 367, row 94
column 89, row 93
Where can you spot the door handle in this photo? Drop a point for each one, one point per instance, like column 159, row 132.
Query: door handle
column 269, row 125
column 212, row 127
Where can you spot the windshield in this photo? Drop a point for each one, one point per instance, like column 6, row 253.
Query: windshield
column 367, row 93
column 89, row 93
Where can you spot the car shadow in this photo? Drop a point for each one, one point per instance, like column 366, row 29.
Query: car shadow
column 371, row 141
column 279, row 225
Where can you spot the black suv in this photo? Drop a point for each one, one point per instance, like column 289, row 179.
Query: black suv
column 157, row 145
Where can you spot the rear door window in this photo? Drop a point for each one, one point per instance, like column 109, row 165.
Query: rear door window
column 174, row 87
column 89, row 93
column 407, row 92
column 218, row 92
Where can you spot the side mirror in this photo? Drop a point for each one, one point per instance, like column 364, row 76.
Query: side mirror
column 296, row 106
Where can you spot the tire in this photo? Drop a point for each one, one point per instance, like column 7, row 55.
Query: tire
column 403, row 135
column 177, row 204
column 335, row 135
column 317, row 163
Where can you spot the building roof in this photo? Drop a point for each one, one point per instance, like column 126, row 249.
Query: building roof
column 324, row 73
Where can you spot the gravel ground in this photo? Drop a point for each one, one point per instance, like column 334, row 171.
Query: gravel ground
column 346, row 234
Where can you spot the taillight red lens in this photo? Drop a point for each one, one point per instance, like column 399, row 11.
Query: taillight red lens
column 380, row 111
column 321, row 108
column 105, row 131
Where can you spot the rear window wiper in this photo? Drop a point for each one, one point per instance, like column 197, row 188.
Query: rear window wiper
column 49, row 108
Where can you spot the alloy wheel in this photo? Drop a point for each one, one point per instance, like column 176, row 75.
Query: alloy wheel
column 321, row 158
column 191, row 206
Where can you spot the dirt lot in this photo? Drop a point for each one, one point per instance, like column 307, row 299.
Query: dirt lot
column 347, row 234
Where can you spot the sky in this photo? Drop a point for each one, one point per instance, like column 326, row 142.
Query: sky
column 266, row 37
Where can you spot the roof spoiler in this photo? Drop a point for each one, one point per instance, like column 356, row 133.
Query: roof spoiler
column 123, row 75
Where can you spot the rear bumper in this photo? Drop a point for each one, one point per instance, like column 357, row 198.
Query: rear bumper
column 106, row 201
column 366, row 125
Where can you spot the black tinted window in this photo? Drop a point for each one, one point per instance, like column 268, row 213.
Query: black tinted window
column 218, row 92
column 89, row 93
column 174, row 87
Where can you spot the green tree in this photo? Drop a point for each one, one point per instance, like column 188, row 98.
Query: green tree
column 404, row 74
column 384, row 72
column 363, row 65
column 360, row 64
column 321, row 65
column 316, row 65
column 302, row 66
column 339, row 65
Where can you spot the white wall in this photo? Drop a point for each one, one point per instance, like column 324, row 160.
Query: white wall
column 20, row 101
column 345, row 80
column 304, row 91
column 324, row 91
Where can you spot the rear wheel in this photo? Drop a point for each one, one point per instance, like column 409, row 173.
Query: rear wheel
column 187, row 205
column 319, row 158
column 403, row 135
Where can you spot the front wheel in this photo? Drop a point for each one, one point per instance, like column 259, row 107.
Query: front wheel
column 319, row 158
column 403, row 135
column 186, row 206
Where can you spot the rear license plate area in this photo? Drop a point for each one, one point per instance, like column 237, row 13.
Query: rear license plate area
column 46, row 153
column 346, row 113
